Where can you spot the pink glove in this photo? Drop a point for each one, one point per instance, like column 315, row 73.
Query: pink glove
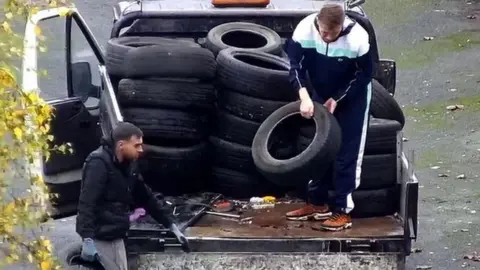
column 139, row 212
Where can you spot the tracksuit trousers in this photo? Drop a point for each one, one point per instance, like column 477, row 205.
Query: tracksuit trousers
column 344, row 173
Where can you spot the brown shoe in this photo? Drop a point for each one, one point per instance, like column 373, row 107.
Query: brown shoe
column 309, row 211
column 337, row 222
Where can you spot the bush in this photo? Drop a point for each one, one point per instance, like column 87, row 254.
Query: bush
column 24, row 137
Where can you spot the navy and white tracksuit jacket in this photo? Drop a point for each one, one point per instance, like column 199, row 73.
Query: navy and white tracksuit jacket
column 341, row 70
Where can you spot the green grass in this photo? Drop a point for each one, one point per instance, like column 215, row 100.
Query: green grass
column 393, row 12
column 436, row 116
column 424, row 52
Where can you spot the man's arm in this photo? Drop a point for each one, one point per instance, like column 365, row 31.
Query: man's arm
column 144, row 197
column 93, row 185
column 363, row 73
column 297, row 74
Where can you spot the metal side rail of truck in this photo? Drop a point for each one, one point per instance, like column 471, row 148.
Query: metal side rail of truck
column 90, row 109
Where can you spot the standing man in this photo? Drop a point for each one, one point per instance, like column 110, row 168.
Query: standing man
column 110, row 186
column 334, row 50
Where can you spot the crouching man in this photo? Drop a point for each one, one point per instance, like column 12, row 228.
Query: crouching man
column 335, row 51
column 111, row 184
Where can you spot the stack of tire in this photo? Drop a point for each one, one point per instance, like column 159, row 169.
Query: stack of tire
column 317, row 145
column 252, row 82
column 166, row 89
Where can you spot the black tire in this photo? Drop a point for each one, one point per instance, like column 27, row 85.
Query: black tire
column 378, row 171
column 247, row 107
column 255, row 74
column 382, row 136
column 235, row 184
column 117, row 49
column 66, row 192
column 243, row 35
column 189, row 95
column 165, row 124
column 232, row 156
column 288, row 172
column 375, row 203
column 235, row 129
column 176, row 170
column 63, row 211
column 384, row 106
column 69, row 257
column 171, row 62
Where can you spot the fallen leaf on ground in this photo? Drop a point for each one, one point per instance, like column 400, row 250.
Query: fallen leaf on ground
column 416, row 250
column 473, row 257
column 461, row 176
column 443, row 175
column 423, row 267
column 455, row 107
column 428, row 38
column 471, row 17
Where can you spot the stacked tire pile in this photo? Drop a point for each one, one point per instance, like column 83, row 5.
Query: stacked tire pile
column 166, row 89
column 252, row 82
column 319, row 141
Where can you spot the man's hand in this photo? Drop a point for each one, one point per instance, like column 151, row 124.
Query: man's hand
column 89, row 251
column 180, row 237
column 331, row 104
column 306, row 104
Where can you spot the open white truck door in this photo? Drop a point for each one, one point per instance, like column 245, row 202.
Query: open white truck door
column 73, row 85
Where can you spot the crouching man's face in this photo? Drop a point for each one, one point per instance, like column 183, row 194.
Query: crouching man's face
column 132, row 148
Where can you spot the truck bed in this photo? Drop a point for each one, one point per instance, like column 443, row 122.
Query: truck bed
column 271, row 223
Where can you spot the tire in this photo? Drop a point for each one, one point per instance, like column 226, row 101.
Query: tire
column 247, row 107
column 242, row 35
column 70, row 258
column 67, row 192
column 232, row 156
column 302, row 167
column 374, row 203
column 235, row 129
column 236, row 185
column 378, row 171
column 166, row 124
column 117, row 49
column 188, row 95
column 175, row 170
column 63, row 211
column 382, row 136
column 171, row 62
column 255, row 74
column 384, row 106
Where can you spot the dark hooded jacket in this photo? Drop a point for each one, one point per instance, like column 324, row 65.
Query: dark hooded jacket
column 109, row 190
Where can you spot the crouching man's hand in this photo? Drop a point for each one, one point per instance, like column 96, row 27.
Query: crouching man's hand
column 89, row 251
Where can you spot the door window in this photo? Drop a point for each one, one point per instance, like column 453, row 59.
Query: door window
column 51, row 60
column 85, row 77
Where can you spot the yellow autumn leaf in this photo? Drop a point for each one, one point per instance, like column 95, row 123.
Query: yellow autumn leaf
column 6, row 27
column 9, row 15
column 18, row 133
column 46, row 265
column 63, row 11
column 38, row 30
column 6, row 78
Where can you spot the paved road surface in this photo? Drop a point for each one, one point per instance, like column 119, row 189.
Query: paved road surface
column 428, row 71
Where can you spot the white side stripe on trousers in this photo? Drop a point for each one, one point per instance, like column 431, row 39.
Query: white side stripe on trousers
column 358, row 170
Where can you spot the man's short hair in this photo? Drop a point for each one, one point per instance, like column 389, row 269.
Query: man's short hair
column 125, row 131
column 331, row 15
